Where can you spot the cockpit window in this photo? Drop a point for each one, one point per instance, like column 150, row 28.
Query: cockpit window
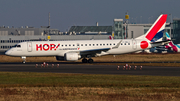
column 18, row 46
column 14, row 46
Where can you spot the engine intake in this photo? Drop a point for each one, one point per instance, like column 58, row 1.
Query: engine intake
column 69, row 57
column 72, row 56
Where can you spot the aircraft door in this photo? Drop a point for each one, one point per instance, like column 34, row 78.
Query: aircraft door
column 134, row 44
column 29, row 46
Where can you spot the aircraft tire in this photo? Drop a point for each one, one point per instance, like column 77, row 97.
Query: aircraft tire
column 90, row 61
column 84, row 60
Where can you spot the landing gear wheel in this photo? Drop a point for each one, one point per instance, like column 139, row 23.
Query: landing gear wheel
column 24, row 59
column 84, row 60
column 90, row 61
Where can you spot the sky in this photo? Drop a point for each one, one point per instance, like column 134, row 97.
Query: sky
column 67, row 13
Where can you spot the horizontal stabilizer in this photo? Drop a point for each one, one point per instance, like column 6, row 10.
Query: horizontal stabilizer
column 163, row 42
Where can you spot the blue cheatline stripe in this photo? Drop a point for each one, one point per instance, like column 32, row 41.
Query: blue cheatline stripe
column 157, row 36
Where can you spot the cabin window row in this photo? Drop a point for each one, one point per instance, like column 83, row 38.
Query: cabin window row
column 125, row 43
column 88, row 45
column 94, row 44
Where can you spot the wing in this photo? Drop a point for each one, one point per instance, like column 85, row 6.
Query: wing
column 93, row 51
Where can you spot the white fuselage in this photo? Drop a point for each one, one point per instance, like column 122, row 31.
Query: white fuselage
column 59, row 48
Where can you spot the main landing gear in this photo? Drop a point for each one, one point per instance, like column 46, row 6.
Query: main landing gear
column 84, row 60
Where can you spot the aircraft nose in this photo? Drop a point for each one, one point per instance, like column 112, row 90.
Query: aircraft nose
column 8, row 52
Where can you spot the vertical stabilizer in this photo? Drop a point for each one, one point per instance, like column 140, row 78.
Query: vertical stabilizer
column 167, row 36
column 171, row 45
column 155, row 33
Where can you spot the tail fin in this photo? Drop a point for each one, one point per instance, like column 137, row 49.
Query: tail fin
column 167, row 36
column 171, row 45
column 155, row 33
column 111, row 37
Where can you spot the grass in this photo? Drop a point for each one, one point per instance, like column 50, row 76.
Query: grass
column 85, row 87
column 80, row 87
column 8, row 79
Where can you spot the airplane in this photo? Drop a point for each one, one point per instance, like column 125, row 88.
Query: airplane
column 111, row 37
column 83, row 49
column 171, row 46
column 159, row 49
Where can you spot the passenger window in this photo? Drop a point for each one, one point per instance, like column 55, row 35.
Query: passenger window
column 69, row 45
column 128, row 43
column 62, row 45
column 100, row 44
column 89, row 44
column 103, row 44
column 96, row 44
column 81, row 44
column 107, row 44
column 93, row 44
column 124, row 43
column 85, row 44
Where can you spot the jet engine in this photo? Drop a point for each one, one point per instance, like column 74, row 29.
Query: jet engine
column 72, row 56
column 69, row 57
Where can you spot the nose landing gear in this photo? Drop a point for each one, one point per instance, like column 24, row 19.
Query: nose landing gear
column 24, row 59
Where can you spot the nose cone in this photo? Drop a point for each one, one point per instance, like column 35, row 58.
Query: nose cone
column 8, row 52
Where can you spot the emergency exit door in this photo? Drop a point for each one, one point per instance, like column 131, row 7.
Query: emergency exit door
column 29, row 46
column 134, row 44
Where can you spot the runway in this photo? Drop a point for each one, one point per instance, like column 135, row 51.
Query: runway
column 90, row 69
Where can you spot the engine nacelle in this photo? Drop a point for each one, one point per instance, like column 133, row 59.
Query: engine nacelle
column 72, row 56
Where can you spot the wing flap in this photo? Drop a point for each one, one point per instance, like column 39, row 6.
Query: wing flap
column 94, row 51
